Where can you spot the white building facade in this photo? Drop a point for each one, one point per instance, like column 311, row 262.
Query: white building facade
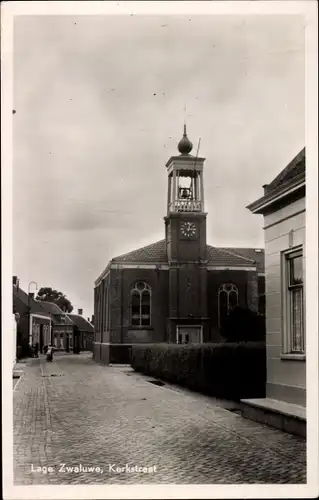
column 284, row 209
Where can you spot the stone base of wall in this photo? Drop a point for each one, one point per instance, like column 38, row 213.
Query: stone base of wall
column 287, row 393
column 112, row 353
column 120, row 354
column 96, row 352
column 101, row 353
column 287, row 417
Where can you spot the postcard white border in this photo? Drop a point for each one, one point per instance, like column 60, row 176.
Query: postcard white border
column 309, row 10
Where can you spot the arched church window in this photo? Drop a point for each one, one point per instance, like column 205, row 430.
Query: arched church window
column 141, row 304
column 227, row 299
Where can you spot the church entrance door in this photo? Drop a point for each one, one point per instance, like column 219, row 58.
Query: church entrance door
column 189, row 334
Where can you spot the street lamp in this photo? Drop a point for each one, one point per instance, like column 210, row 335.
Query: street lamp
column 32, row 283
column 29, row 309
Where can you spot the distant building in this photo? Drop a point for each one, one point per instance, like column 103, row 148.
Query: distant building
column 62, row 326
column 34, row 324
column 44, row 323
column 83, row 332
column 178, row 289
column 14, row 336
column 284, row 209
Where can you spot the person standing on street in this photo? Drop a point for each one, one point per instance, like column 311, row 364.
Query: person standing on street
column 36, row 350
column 50, row 353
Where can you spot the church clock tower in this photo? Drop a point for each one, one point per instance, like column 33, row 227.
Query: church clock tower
column 186, row 246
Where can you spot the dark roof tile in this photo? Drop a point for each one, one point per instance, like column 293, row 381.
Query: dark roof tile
column 255, row 254
column 156, row 253
column 295, row 168
column 50, row 307
column 82, row 324
column 226, row 257
column 35, row 306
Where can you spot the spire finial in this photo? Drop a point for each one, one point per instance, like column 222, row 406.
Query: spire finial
column 185, row 133
column 185, row 146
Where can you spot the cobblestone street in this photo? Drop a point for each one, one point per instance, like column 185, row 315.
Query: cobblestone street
column 75, row 412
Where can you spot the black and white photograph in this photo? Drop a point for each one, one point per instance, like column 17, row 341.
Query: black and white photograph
column 160, row 281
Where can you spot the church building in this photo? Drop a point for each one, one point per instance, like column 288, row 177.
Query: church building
column 178, row 289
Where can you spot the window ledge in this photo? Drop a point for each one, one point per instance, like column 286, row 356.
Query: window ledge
column 140, row 327
column 293, row 357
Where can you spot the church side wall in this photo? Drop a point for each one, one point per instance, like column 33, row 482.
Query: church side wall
column 101, row 321
column 121, row 283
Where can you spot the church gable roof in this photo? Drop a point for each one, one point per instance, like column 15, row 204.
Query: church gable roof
column 227, row 257
column 156, row 253
column 255, row 254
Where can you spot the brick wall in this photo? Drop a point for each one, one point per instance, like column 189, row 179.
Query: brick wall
column 101, row 311
column 177, row 292
column 120, row 321
column 191, row 281
column 252, row 290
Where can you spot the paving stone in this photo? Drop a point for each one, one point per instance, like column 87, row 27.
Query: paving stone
column 98, row 416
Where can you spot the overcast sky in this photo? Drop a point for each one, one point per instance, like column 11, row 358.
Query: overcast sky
column 99, row 106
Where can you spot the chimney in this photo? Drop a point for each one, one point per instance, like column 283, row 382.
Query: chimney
column 31, row 295
column 265, row 186
column 80, row 312
column 15, row 281
column 92, row 320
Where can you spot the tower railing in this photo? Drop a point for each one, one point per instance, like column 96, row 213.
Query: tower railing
column 185, row 206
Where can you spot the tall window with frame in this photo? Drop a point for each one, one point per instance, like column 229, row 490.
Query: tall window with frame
column 102, row 306
column 294, row 294
column 227, row 298
column 108, row 310
column 141, row 304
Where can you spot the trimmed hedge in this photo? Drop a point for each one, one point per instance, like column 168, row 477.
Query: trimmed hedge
column 224, row 370
column 242, row 324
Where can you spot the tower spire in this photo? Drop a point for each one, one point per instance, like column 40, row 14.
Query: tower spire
column 185, row 146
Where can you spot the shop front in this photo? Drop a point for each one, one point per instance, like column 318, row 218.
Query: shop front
column 40, row 328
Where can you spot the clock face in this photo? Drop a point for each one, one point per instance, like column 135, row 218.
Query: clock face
column 188, row 229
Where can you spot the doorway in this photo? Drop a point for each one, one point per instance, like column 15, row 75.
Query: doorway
column 189, row 334
column 41, row 339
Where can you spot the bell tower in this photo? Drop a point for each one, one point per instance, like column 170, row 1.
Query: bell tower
column 186, row 245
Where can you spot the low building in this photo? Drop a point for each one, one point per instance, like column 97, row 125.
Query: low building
column 83, row 332
column 284, row 209
column 62, row 326
column 44, row 322
column 34, row 324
